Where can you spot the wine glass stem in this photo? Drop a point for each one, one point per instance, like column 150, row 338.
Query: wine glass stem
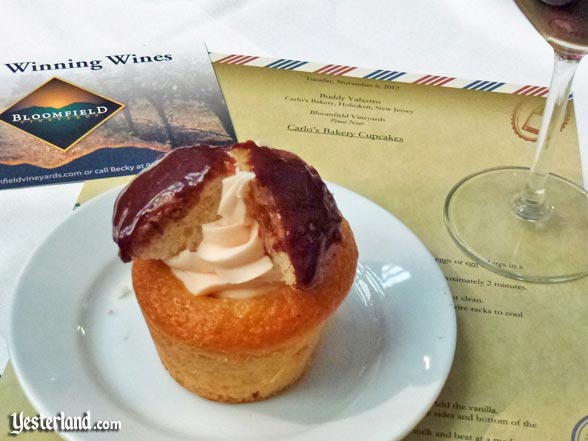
column 532, row 203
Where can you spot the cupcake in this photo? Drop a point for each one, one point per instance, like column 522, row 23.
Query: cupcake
column 240, row 256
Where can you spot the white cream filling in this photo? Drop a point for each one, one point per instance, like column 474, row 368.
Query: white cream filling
column 231, row 260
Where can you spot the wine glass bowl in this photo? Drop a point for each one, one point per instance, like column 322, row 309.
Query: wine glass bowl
column 563, row 23
column 527, row 223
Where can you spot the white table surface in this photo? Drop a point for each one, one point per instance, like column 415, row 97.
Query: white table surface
column 470, row 39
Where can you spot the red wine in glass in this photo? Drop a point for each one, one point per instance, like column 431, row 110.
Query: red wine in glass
column 563, row 23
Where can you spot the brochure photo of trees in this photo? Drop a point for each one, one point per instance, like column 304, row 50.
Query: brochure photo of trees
column 167, row 104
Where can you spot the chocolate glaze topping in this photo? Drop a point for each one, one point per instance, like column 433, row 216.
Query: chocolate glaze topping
column 163, row 191
column 304, row 205
column 294, row 203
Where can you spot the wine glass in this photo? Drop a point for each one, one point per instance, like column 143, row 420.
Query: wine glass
column 524, row 223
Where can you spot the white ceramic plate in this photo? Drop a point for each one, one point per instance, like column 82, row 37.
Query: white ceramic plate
column 79, row 343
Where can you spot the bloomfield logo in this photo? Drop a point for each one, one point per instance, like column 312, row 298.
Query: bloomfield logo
column 60, row 113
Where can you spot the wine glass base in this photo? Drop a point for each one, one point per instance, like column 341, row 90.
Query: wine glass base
column 479, row 216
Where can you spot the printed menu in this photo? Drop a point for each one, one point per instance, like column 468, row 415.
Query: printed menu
column 520, row 366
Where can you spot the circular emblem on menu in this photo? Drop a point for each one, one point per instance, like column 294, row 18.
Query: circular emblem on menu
column 580, row 432
column 527, row 116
